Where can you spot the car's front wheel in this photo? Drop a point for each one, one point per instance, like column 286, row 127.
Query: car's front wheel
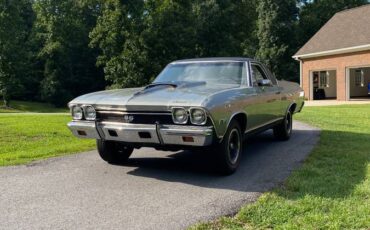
column 283, row 131
column 113, row 152
column 229, row 151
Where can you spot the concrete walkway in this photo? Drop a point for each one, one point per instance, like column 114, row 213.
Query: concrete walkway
column 335, row 102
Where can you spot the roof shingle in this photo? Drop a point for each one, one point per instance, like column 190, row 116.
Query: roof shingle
column 348, row 28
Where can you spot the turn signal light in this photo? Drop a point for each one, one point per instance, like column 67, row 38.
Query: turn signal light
column 187, row 139
column 81, row 133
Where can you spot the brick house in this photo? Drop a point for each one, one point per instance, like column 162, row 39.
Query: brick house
column 335, row 62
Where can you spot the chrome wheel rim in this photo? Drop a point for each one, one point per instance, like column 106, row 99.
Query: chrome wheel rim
column 234, row 146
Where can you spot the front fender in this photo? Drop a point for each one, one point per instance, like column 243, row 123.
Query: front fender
column 221, row 123
column 224, row 106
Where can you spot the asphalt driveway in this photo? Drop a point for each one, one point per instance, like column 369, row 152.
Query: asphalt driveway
column 156, row 190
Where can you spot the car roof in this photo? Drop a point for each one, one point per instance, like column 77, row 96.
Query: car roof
column 215, row 59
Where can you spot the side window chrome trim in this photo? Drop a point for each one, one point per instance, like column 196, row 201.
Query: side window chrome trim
column 249, row 74
column 274, row 81
column 260, row 69
column 263, row 68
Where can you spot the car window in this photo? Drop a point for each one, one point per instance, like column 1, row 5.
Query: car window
column 210, row 72
column 257, row 74
column 271, row 76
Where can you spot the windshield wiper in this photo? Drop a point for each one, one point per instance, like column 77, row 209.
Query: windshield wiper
column 161, row 83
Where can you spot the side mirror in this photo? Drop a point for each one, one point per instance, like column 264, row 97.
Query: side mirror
column 264, row 82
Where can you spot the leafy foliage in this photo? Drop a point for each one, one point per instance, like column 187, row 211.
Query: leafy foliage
column 118, row 36
column 13, row 33
column 138, row 38
column 169, row 33
column 56, row 50
column 225, row 28
column 275, row 25
column 62, row 28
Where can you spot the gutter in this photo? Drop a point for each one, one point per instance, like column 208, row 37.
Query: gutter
column 333, row 52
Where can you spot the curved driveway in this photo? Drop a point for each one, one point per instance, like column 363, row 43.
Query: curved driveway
column 156, row 190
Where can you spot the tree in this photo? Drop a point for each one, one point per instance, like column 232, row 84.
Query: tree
column 13, row 33
column 170, row 33
column 275, row 25
column 118, row 35
column 225, row 27
column 138, row 38
column 62, row 28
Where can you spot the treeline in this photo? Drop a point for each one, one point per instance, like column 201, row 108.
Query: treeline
column 55, row 50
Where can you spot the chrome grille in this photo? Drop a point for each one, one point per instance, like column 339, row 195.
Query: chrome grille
column 138, row 117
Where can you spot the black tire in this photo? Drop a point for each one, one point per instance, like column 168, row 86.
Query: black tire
column 283, row 131
column 229, row 151
column 113, row 152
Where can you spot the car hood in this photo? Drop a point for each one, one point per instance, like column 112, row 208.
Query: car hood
column 155, row 98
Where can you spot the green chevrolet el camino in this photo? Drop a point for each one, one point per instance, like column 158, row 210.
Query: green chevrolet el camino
column 208, row 103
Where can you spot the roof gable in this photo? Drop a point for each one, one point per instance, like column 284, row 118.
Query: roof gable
column 346, row 29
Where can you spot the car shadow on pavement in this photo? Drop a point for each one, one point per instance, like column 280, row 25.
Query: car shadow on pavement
column 265, row 163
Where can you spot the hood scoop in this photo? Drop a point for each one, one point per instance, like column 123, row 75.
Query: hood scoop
column 160, row 85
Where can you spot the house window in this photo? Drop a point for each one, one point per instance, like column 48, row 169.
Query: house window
column 324, row 79
column 359, row 78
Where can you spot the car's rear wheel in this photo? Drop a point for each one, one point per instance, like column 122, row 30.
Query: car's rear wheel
column 113, row 152
column 283, row 131
column 229, row 151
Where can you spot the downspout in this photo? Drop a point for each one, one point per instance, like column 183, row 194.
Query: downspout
column 300, row 73
column 300, row 70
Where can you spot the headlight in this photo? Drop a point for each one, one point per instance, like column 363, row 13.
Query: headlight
column 179, row 116
column 198, row 116
column 77, row 113
column 90, row 113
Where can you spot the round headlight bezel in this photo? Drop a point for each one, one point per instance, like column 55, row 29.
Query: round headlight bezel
column 74, row 112
column 87, row 109
column 194, row 121
column 175, row 120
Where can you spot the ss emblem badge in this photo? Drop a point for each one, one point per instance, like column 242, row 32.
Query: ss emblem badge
column 128, row 118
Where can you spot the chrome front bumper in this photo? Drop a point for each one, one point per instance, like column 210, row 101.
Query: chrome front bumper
column 143, row 133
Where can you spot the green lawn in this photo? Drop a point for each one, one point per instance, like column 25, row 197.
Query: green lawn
column 332, row 188
column 28, row 137
column 33, row 107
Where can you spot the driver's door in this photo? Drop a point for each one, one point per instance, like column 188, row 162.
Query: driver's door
column 268, row 95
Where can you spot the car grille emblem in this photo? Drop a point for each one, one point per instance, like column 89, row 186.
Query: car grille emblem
column 128, row 118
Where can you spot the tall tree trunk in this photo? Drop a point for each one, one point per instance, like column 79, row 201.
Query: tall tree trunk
column 6, row 103
column 6, row 98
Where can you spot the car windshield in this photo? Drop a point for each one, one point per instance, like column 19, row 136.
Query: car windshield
column 209, row 72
